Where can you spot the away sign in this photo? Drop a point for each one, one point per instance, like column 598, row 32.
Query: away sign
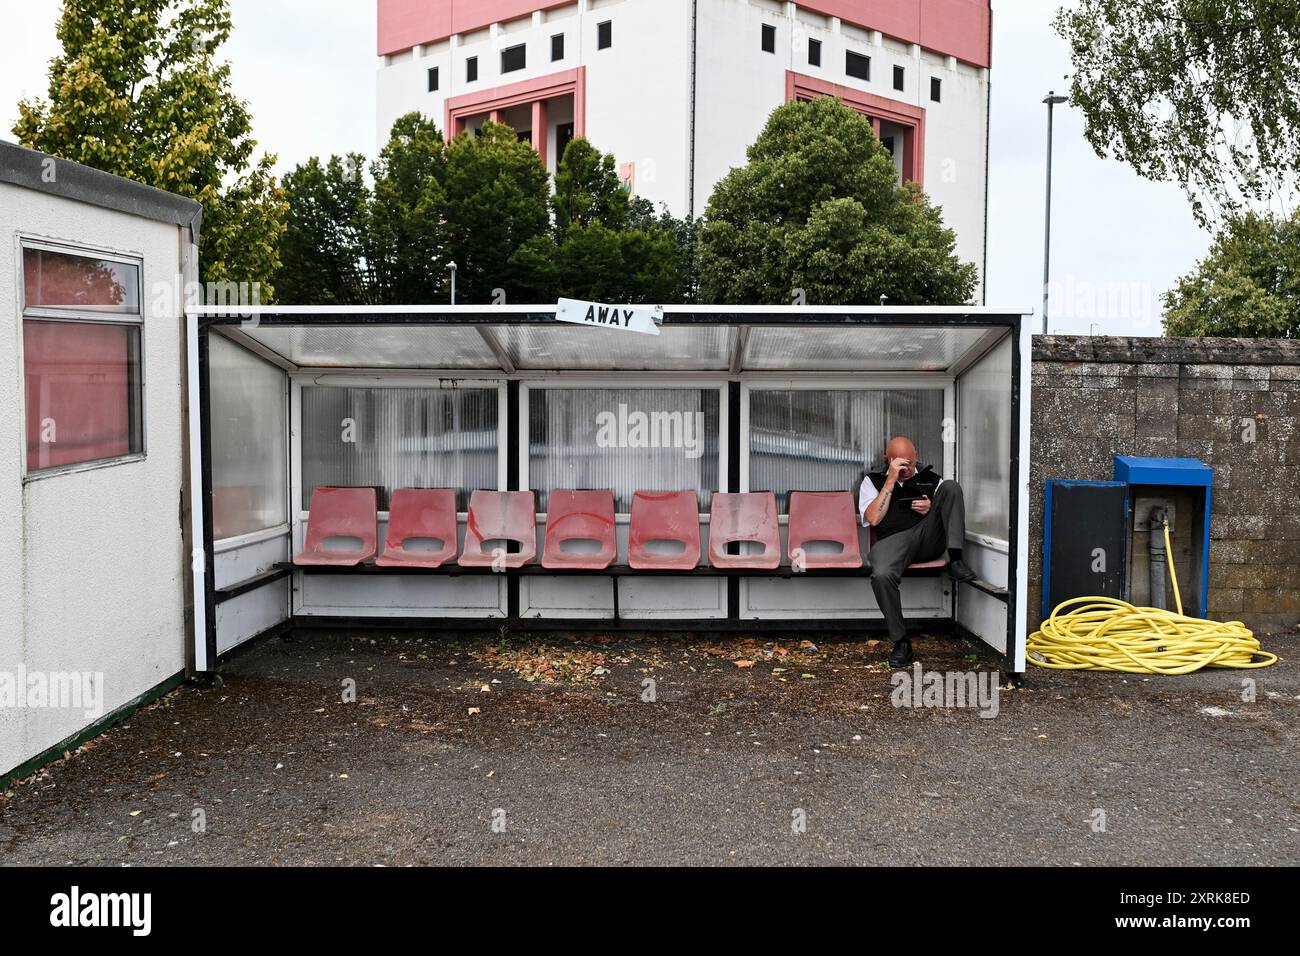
column 625, row 317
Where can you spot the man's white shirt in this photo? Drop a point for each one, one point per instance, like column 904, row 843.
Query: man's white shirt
column 867, row 494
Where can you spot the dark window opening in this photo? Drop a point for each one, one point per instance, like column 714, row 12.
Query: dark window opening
column 814, row 52
column 769, row 38
column 557, row 47
column 514, row 58
column 857, row 66
column 433, row 78
column 899, row 75
column 563, row 137
column 888, row 143
column 605, row 35
column 525, row 136
column 936, row 88
column 471, row 69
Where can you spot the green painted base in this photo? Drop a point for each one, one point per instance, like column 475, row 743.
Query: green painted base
column 29, row 767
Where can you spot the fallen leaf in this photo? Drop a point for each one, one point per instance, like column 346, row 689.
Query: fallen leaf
column 744, row 663
column 475, row 710
column 136, row 813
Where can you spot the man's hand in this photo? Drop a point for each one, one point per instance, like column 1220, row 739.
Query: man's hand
column 896, row 468
column 921, row 506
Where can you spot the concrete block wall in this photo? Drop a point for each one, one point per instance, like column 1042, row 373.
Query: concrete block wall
column 1232, row 403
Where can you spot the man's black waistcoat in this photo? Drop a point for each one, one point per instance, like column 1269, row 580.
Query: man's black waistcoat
column 900, row 516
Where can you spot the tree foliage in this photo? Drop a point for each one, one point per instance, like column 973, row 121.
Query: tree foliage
column 484, row 202
column 818, row 207
column 137, row 91
column 1247, row 285
column 498, row 214
column 323, row 252
column 1198, row 92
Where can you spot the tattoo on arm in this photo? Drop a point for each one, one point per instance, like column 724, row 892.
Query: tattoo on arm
column 878, row 505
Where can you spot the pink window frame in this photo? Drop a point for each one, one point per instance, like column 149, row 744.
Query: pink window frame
column 534, row 93
column 912, row 118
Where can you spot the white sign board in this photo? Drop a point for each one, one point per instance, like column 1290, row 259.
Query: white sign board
column 625, row 317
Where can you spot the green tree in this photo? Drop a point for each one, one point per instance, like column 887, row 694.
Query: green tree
column 498, row 218
column 1247, row 285
column 1198, row 92
column 407, row 247
column 484, row 202
column 818, row 207
column 609, row 247
column 588, row 190
column 323, row 252
column 137, row 91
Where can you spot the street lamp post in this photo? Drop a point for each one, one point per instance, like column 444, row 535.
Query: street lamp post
column 452, row 267
column 1052, row 100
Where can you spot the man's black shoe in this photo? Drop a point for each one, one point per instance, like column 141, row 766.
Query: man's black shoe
column 961, row 571
column 902, row 655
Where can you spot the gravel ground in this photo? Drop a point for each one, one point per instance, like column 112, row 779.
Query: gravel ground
column 492, row 750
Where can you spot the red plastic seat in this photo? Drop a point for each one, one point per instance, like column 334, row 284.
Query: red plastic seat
column 746, row 517
column 579, row 516
column 340, row 513
column 428, row 513
column 664, row 516
column 823, row 516
column 500, row 516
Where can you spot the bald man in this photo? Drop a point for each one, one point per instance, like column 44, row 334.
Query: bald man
column 914, row 516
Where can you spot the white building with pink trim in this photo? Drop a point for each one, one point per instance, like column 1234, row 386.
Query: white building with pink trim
column 677, row 89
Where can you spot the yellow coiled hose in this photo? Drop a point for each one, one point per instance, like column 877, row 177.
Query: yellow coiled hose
column 1106, row 634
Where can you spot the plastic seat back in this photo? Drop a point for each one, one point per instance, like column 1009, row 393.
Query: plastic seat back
column 420, row 514
column 579, row 516
column 818, row 517
column 749, row 517
column 497, row 518
column 664, row 517
column 340, row 513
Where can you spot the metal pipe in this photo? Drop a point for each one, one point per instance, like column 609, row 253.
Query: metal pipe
column 1051, row 100
column 1156, row 557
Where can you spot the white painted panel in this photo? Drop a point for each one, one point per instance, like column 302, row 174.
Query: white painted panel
column 250, row 614
column 241, row 563
column 984, row 616
column 838, row 599
column 988, row 563
column 672, row 598
column 578, row 597
column 401, row 595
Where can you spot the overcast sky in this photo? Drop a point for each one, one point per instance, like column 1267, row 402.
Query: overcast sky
column 1118, row 242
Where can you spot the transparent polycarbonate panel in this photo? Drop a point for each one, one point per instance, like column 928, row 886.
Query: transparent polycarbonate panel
column 984, row 442
column 827, row 439
column 250, row 435
column 377, row 346
column 858, row 348
column 390, row 438
column 569, row 346
column 624, row 439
